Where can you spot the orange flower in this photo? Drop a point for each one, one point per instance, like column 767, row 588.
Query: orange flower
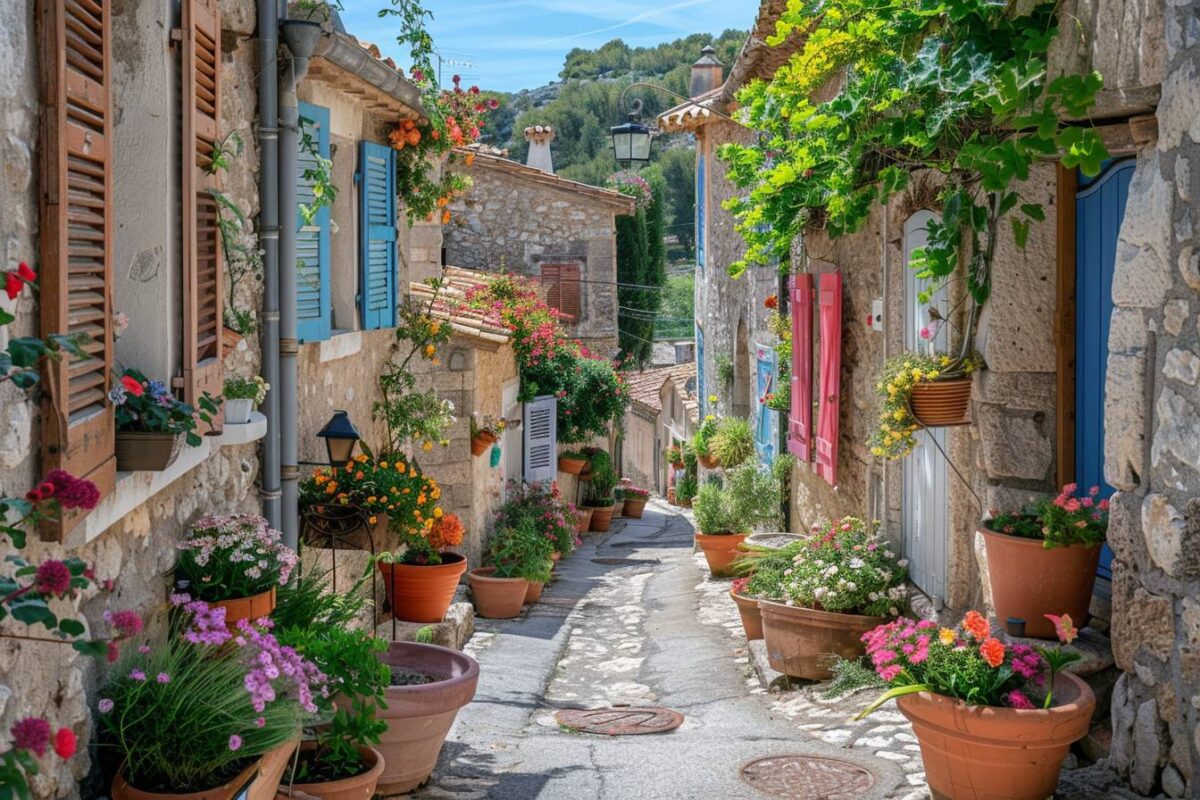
column 414, row 137
column 445, row 217
column 373, row 520
column 992, row 651
column 470, row 159
column 409, row 124
column 976, row 625
column 358, row 476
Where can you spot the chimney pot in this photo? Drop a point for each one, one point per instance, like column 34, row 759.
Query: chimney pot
column 708, row 73
column 539, row 138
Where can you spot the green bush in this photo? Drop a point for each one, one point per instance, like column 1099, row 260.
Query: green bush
column 685, row 488
column 603, row 481
column 712, row 511
column 733, row 443
column 753, row 496
column 521, row 550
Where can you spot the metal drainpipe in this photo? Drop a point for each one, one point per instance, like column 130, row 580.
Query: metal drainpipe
column 268, row 186
column 289, row 135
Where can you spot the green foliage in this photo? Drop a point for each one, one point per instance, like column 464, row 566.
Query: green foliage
column 733, row 443
column 686, row 488
column 677, row 315
column 702, row 439
column 424, row 635
column 894, row 438
column 713, row 512
column 307, row 600
column 225, row 558
column 754, row 497
column 640, row 262
column 725, row 371
column 246, row 389
column 239, row 243
column 599, row 491
column 849, row 677
column 147, row 406
column 320, row 175
column 765, row 566
column 544, row 505
column 521, row 550
column 1061, row 522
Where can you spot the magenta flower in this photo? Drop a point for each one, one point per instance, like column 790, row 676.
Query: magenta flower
column 137, row 675
column 72, row 492
column 126, row 623
column 52, row 577
column 235, row 742
column 31, row 733
column 1017, row 699
column 163, row 678
column 106, row 705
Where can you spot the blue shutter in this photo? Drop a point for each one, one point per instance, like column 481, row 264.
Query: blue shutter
column 702, row 397
column 377, row 251
column 767, row 419
column 314, row 305
column 701, row 196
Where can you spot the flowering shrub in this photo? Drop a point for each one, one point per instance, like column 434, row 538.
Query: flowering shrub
column 845, row 569
column 147, row 406
column 894, row 438
column 634, row 493
column 632, row 185
column 522, row 549
column 246, row 389
column 543, row 504
column 968, row 664
column 1066, row 520
column 226, row 558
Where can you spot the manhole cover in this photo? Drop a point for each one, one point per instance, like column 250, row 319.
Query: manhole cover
column 807, row 777
column 626, row 721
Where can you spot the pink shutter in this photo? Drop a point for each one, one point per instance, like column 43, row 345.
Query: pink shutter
column 831, row 376
column 800, row 420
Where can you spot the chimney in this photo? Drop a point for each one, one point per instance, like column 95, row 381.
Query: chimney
column 708, row 73
column 539, row 138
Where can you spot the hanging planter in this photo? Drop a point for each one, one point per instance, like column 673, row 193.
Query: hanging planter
column 140, row 451
column 940, row 404
column 572, row 463
column 480, row 442
column 920, row 391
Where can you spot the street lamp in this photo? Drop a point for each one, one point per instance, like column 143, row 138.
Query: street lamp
column 340, row 436
column 631, row 141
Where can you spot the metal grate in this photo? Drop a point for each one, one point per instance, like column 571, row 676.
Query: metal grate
column 620, row 721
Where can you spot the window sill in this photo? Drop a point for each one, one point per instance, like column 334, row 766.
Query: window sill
column 134, row 489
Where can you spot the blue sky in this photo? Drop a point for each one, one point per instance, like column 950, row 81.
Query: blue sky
column 520, row 44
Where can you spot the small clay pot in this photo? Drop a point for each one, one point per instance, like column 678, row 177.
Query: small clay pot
column 247, row 608
column 481, row 441
column 357, row 787
column 601, row 518
column 720, row 549
column 497, row 598
column 634, row 508
column 571, row 466
column 751, row 617
column 939, row 404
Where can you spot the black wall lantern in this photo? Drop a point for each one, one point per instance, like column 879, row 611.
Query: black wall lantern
column 340, row 436
column 631, row 141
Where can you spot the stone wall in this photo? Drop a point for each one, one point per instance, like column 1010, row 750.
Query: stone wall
column 639, row 449
column 506, row 221
column 1152, row 453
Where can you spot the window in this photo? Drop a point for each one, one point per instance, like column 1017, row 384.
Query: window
column 377, row 253
column 314, row 307
column 562, row 289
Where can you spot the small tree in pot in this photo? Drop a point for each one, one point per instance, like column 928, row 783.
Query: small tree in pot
column 599, row 496
column 718, row 532
column 520, row 555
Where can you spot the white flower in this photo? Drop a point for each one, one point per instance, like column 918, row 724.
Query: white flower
column 902, row 562
column 851, row 586
column 857, row 563
column 894, row 611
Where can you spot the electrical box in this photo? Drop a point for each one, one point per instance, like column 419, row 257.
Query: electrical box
column 875, row 319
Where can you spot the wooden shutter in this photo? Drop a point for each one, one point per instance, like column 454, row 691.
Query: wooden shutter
column 550, row 282
column 541, row 439
column 314, row 305
column 78, row 428
column 831, row 376
column 568, row 291
column 377, row 256
column 203, row 278
column 800, row 419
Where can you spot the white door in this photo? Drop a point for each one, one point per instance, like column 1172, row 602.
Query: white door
column 925, row 512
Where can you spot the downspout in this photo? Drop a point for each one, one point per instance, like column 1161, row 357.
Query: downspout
column 300, row 37
column 268, row 186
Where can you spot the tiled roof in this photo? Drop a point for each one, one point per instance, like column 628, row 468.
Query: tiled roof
column 450, row 306
column 645, row 387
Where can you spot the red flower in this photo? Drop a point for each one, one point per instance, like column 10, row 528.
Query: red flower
column 25, row 273
column 126, row 623
column 133, row 386
column 992, row 651
column 31, row 733
column 64, row 742
column 772, row 302
column 72, row 492
column 976, row 625
column 13, row 285
column 52, row 577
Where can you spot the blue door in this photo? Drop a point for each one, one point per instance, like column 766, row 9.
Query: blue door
column 766, row 419
column 1099, row 209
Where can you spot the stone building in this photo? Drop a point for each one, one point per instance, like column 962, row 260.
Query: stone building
column 663, row 410
column 523, row 218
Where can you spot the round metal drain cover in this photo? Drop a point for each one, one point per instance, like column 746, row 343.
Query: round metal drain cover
column 623, row 721
column 808, row 777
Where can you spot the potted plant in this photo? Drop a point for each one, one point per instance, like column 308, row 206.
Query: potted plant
column 702, row 443
column 918, row 390
column 635, row 501
column 1043, row 559
column 543, row 505
column 572, row 462
column 685, row 490
column 484, row 433
column 732, row 442
column 841, row 583
column 198, row 714
column 235, row 563
column 152, row 425
column 420, row 580
column 762, row 571
column 718, row 534
column 243, row 395
column 674, row 456
column 992, row 719
column 599, row 495
column 519, row 555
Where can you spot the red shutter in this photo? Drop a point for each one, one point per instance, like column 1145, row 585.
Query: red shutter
column 78, row 427
column 831, row 376
column 800, row 420
column 202, row 267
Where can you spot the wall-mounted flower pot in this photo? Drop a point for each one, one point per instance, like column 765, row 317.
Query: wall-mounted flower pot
column 147, row 452
column 237, row 410
column 300, row 36
column 497, row 598
column 802, row 642
column 634, row 508
column 601, row 518
column 940, row 404
column 720, row 549
column 751, row 617
column 986, row 752
column 121, row 790
column 571, row 466
column 422, row 592
column 1029, row 581
column 419, row 715
column 230, row 339
column 357, row 787
column 247, row 608
column 481, row 441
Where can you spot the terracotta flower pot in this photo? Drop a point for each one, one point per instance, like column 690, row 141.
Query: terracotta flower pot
column 422, row 592
column 247, row 608
column 585, row 520
column 601, row 518
column 147, row 452
column 121, row 790
column 534, row 592
column 938, row 404
column 634, row 508
column 571, row 466
column 990, row 753
column 708, row 462
column 481, row 441
column 720, row 549
column 671, row 496
column 357, row 787
column 801, row 642
column 420, row 716
column 497, row 598
column 751, row 617
column 230, row 339
column 274, row 762
column 1029, row 581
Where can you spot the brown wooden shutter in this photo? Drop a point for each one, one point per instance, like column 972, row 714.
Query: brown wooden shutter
column 78, row 427
column 568, row 291
column 202, row 267
column 550, row 280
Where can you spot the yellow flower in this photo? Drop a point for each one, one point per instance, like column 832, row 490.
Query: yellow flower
column 437, row 512
column 916, row 373
column 932, row 375
column 946, row 636
column 383, row 465
column 371, row 499
column 898, row 414
column 361, row 458
column 876, row 451
column 373, row 520
column 435, row 328
column 430, row 350
column 945, row 361
column 712, row 398
column 427, row 446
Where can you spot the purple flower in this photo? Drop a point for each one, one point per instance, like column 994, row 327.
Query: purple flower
column 106, row 706
column 235, row 742
column 163, row 678
column 137, row 675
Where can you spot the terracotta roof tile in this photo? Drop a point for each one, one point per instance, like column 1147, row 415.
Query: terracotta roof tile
column 451, row 306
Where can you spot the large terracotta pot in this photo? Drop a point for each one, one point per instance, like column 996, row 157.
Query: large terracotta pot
column 358, row 787
column 751, row 617
column 121, row 790
column 585, row 520
column 989, row 753
column 938, row 404
column 533, row 592
column 422, row 593
column 708, row 462
column 247, row 608
column 634, row 508
column 497, row 598
column 802, row 642
column 274, row 762
column 1029, row 581
column 419, row 717
column 720, row 549
column 147, row 452
column 571, row 466
column 601, row 518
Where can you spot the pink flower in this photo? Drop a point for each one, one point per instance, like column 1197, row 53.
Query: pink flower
column 53, row 577
column 889, row 674
column 106, row 705
column 126, row 623
column 926, row 333
column 235, row 742
column 163, row 678
column 1064, row 627
column 137, row 675
column 1017, row 699
column 31, row 733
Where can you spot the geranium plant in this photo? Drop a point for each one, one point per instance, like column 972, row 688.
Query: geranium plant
column 1068, row 519
column 146, row 406
column 226, row 558
column 544, row 505
column 521, row 550
column 894, row 437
